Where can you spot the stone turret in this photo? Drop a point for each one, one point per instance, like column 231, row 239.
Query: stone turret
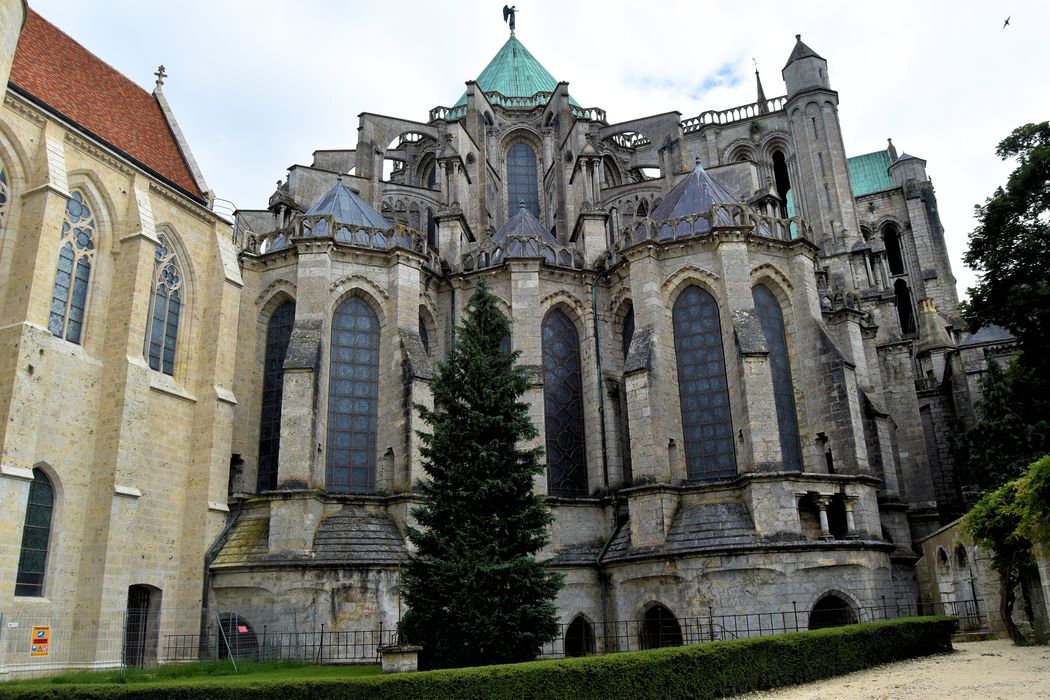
column 805, row 70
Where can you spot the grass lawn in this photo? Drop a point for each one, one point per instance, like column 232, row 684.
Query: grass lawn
column 205, row 672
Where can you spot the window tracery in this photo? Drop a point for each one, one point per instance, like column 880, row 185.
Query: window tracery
column 703, row 390
column 75, row 259
column 353, row 398
column 165, row 308
column 522, row 188
column 563, row 407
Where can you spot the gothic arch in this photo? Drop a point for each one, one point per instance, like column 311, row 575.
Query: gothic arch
column 576, row 310
column 276, row 296
column 276, row 287
column 344, row 286
column 770, row 272
column 685, row 276
column 740, row 151
column 186, row 328
column 13, row 156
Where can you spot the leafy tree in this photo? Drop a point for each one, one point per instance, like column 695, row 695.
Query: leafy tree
column 1002, row 443
column 476, row 594
column 1010, row 251
column 1011, row 522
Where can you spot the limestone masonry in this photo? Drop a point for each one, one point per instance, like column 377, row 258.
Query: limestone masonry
column 748, row 368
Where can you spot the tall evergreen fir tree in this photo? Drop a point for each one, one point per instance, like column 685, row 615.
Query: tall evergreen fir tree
column 475, row 592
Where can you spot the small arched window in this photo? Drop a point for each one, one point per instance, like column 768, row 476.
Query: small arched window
column 424, row 334
column 771, row 318
column 432, row 229
column 782, row 182
column 278, row 333
column 905, row 313
column 353, row 398
column 522, row 187
column 36, row 535
column 643, row 210
column 628, row 331
column 894, row 255
column 165, row 308
column 76, row 256
column 707, row 424
column 563, row 407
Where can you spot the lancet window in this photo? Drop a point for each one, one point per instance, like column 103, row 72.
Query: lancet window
column 353, row 398
column 76, row 257
column 165, row 308
column 278, row 334
column 36, row 536
column 703, row 391
column 771, row 317
column 563, row 407
column 522, row 188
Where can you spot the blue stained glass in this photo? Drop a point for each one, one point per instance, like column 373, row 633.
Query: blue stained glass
column 353, row 392
column 563, row 408
column 522, row 187
column 706, row 428
column 772, row 320
column 167, row 307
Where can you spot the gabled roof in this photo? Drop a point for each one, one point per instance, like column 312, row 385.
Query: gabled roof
column 347, row 208
column 801, row 51
column 870, row 173
column 514, row 72
column 55, row 71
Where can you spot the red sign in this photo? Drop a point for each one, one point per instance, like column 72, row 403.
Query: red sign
column 243, row 629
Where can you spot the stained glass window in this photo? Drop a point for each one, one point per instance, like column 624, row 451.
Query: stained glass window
column 771, row 317
column 36, row 534
column 563, row 407
column 165, row 308
column 75, row 257
column 521, row 180
column 278, row 333
column 707, row 424
column 353, row 398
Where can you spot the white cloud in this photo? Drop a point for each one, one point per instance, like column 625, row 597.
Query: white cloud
column 258, row 86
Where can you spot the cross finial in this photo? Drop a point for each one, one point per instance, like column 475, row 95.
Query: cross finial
column 161, row 75
column 755, row 63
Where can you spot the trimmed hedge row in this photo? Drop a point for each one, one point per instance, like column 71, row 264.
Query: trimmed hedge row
column 711, row 670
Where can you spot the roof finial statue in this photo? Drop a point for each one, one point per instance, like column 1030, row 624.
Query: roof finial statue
column 508, row 15
column 161, row 75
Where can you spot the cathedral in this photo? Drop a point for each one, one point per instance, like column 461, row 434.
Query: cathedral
column 747, row 367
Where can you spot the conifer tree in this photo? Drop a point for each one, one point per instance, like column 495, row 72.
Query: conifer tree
column 475, row 592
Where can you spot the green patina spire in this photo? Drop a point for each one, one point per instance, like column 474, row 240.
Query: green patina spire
column 514, row 72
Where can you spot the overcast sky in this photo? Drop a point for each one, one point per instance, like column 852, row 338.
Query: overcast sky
column 258, row 85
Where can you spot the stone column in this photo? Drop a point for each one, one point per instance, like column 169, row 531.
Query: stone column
column 851, row 525
column 825, row 530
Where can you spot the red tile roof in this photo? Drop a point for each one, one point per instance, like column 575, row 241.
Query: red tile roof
column 57, row 71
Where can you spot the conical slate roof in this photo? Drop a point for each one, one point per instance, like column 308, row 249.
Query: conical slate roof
column 347, row 209
column 523, row 225
column 695, row 194
column 514, row 72
column 801, row 51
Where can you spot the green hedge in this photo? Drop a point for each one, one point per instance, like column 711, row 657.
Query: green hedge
column 709, row 670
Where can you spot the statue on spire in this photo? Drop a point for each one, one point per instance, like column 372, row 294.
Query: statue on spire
column 508, row 15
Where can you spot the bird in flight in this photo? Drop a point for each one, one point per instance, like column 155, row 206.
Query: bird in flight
column 1007, row 22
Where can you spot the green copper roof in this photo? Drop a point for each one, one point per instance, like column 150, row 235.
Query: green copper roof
column 870, row 173
column 514, row 72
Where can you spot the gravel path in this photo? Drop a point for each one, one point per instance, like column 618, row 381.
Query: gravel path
column 990, row 670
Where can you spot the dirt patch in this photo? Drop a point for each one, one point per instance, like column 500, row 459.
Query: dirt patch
column 989, row 670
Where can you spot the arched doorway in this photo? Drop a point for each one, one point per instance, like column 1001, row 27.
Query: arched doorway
column 831, row 611
column 237, row 638
column 579, row 637
column 140, row 628
column 660, row 629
